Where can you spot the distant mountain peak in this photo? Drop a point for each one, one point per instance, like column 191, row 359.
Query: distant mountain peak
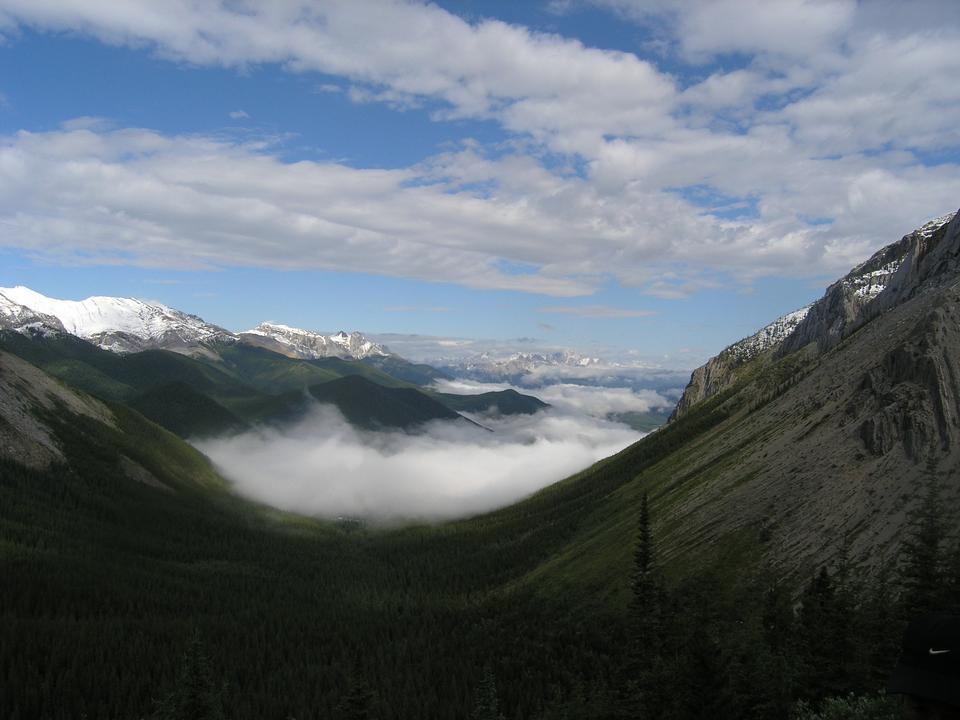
column 296, row 342
column 113, row 323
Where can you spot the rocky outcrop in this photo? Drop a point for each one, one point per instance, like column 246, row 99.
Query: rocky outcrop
column 25, row 390
column 709, row 379
column 888, row 278
column 911, row 396
column 721, row 371
column 920, row 261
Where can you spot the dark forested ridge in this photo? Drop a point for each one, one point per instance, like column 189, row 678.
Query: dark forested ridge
column 236, row 385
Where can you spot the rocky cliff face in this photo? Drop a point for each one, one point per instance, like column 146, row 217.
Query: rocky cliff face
column 720, row 372
column 856, row 298
column 918, row 262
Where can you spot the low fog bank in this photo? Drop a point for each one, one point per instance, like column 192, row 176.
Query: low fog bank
column 322, row 466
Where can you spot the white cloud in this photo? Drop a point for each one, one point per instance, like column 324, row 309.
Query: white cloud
column 824, row 117
column 239, row 114
column 324, row 467
column 390, row 49
column 594, row 311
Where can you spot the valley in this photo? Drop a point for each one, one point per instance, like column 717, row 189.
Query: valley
column 121, row 541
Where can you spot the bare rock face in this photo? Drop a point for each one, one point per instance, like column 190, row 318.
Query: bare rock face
column 708, row 380
column 23, row 390
column 887, row 279
column 927, row 258
column 912, row 395
column 720, row 372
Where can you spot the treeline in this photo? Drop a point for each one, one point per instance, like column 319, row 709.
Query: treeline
column 120, row 600
column 700, row 650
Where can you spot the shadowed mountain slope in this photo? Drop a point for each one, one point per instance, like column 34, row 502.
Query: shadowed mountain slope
column 368, row 405
column 501, row 402
column 804, row 456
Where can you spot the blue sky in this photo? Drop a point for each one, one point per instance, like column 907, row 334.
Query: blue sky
column 610, row 176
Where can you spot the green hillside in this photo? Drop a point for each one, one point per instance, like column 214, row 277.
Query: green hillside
column 366, row 404
column 182, row 410
column 239, row 385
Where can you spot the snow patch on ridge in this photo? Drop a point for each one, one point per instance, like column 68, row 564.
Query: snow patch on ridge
column 313, row 345
column 769, row 335
column 119, row 324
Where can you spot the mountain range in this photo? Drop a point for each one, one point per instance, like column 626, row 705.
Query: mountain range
column 129, row 325
column 810, row 445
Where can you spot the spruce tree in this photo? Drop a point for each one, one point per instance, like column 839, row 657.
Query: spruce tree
column 196, row 695
column 639, row 686
column 922, row 574
column 357, row 703
column 485, row 704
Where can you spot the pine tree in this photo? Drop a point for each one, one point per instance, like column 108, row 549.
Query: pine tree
column 357, row 703
column 922, row 575
column 822, row 672
column 485, row 704
column 196, row 695
column 639, row 686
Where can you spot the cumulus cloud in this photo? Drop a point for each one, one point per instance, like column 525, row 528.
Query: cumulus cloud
column 532, row 82
column 134, row 196
column 324, row 467
column 685, row 178
column 239, row 114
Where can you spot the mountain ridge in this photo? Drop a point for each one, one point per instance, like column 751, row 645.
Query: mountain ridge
column 846, row 305
column 307, row 344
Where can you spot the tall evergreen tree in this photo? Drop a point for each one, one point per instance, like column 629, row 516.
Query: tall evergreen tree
column 196, row 695
column 486, row 706
column 357, row 703
column 922, row 574
column 639, row 687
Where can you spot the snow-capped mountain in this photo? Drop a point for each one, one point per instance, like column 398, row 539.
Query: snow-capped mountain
column 845, row 300
column 295, row 342
column 522, row 363
column 117, row 324
column 768, row 336
column 845, row 306
column 488, row 367
column 14, row 316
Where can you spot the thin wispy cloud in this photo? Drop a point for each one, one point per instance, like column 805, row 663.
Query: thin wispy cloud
column 239, row 114
column 417, row 309
column 594, row 311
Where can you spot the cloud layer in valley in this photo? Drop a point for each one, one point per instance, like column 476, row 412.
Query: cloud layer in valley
column 324, row 467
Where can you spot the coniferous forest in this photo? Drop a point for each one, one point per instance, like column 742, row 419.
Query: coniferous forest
column 121, row 600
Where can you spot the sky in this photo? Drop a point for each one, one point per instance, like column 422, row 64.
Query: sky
column 638, row 178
